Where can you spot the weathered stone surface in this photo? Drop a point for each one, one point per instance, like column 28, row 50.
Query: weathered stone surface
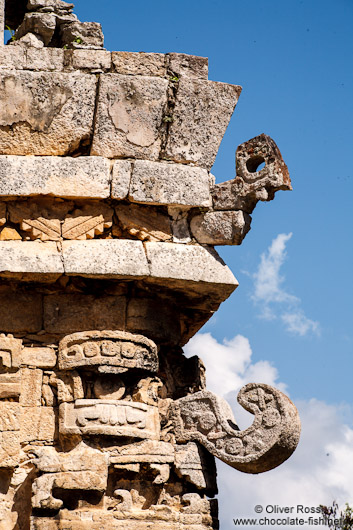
column 20, row 311
column 70, row 387
column 45, row 113
column 86, row 177
column 10, row 351
column 145, row 223
column 9, row 234
column 129, row 116
column 188, row 263
column 170, row 184
column 38, row 357
column 9, row 440
column 67, row 313
column 143, row 452
column 188, row 65
column 12, row 57
column 200, row 117
column 47, row 59
column 31, row 387
column 87, row 222
column 251, row 185
column 42, row 24
column 110, row 348
column 121, row 177
column 40, row 218
column 220, row 228
column 10, row 385
column 132, row 63
column 37, row 424
column 271, row 439
column 82, row 34
column 109, row 418
column 88, row 60
column 31, row 259
column 108, row 258
column 56, row 5
column 2, row 213
column 190, row 462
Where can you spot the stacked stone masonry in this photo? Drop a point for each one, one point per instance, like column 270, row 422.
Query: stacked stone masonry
column 109, row 216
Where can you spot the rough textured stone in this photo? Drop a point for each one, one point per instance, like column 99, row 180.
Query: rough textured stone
column 10, row 351
column 30, row 259
column 37, row 424
column 68, row 313
column 130, row 63
column 45, row 113
column 200, row 117
column 12, row 57
column 47, row 59
column 121, row 176
column 57, row 176
column 2, row 21
column 108, row 258
column 20, row 311
column 220, row 228
column 129, row 116
column 38, row 357
column 10, row 386
column 31, row 387
column 42, row 24
column 170, row 184
column 57, row 5
column 82, row 34
column 88, row 60
column 87, row 222
column 188, row 65
column 145, row 223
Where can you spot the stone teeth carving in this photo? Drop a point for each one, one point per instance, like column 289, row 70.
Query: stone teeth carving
column 87, row 222
column 109, row 417
column 110, row 348
column 269, row 441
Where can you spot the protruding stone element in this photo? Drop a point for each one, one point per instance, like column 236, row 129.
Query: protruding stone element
column 10, row 352
column 132, row 63
column 129, row 116
column 41, row 24
column 145, row 223
column 82, row 177
column 108, row 348
column 47, row 113
column 191, row 463
column 82, row 35
column 200, row 117
column 191, row 66
column 109, row 417
column 220, row 228
column 87, row 222
column 252, row 185
column 169, row 184
column 272, row 438
column 83, row 468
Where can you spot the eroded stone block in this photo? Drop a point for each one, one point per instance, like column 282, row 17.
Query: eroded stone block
column 31, row 387
column 47, row 59
column 89, row 34
column 220, row 228
column 45, row 113
column 188, row 65
column 10, row 385
column 10, row 351
column 38, row 357
column 200, row 117
column 129, row 116
column 88, row 60
column 86, row 177
column 37, row 424
column 170, row 184
column 20, row 311
column 145, row 223
column 30, row 259
column 121, row 177
column 132, row 63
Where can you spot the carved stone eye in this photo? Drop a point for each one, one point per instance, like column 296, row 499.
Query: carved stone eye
column 207, row 421
column 75, row 352
column 91, row 349
column 128, row 349
column 234, row 447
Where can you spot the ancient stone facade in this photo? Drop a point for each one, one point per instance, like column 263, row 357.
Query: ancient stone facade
column 108, row 220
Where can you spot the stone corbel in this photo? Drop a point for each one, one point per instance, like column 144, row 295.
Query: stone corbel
column 271, row 439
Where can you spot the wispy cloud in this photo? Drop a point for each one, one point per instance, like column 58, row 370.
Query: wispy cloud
column 270, row 293
column 318, row 472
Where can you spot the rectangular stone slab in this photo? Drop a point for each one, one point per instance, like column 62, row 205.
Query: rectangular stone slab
column 86, row 177
column 169, row 184
column 30, row 260
column 45, row 113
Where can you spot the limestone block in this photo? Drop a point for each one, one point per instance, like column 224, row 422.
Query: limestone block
column 88, row 60
column 10, row 351
column 87, row 222
column 9, row 234
column 9, row 450
column 188, row 263
column 67, row 313
column 48, row 59
column 110, row 348
column 41, row 218
column 200, row 117
column 109, row 418
column 220, row 228
column 86, row 177
column 188, row 65
column 69, row 387
column 45, row 113
column 132, row 63
column 20, row 312
column 143, row 452
column 31, row 387
column 56, row 5
column 12, row 57
column 9, row 386
column 129, row 116
column 37, row 424
column 108, row 258
column 42, row 24
column 38, row 357
column 252, row 184
column 9, row 416
column 170, row 184
column 121, row 177
column 89, row 33
column 145, row 223
column 30, row 259
column 190, row 464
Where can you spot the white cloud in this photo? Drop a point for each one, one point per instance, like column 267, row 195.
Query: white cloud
column 319, row 471
column 270, row 295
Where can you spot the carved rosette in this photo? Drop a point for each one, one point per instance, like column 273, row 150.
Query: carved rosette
column 269, row 441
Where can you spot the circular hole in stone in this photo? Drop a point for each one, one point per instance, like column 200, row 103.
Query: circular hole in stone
column 255, row 163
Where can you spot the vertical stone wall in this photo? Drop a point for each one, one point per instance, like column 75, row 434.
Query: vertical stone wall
column 109, row 216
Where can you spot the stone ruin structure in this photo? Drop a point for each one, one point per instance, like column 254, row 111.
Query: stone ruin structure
column 109, row 216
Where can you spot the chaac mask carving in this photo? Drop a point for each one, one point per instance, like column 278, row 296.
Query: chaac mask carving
column 107, row 268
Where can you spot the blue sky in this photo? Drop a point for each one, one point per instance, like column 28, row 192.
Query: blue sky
column 294, row 61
